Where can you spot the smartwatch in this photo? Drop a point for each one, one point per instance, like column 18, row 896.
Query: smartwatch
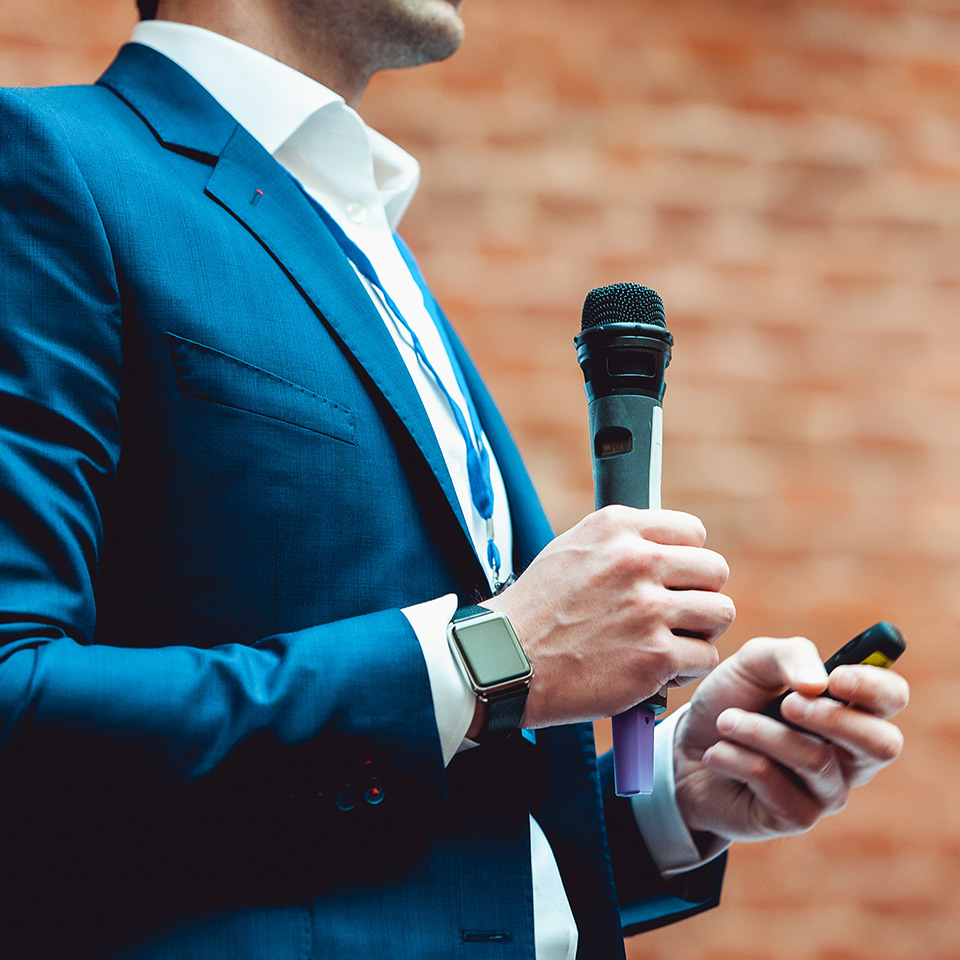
column 494, row 664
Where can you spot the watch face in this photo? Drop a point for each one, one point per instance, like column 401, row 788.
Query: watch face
column 492, row 654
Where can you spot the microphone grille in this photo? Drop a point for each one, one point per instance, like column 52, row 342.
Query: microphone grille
column 622, row 303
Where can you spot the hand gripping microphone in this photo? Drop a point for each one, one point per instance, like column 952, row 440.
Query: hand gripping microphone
column 623, row 350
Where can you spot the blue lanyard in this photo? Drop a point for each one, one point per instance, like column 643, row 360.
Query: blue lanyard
column 478, row 459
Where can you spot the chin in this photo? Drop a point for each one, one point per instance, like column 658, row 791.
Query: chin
column 425, row 31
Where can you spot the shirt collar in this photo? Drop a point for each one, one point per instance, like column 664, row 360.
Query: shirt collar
column 274, row 103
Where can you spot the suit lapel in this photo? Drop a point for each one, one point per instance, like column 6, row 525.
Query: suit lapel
column 286, row 224
column 255, row 189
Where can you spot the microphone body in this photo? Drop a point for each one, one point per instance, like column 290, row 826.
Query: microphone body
column 623, row 350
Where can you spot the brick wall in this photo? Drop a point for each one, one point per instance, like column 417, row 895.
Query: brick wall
column 787, row 175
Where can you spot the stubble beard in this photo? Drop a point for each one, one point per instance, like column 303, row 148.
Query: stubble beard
column 414, row 32
column 381, row 34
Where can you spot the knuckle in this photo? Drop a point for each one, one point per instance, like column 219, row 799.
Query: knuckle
column 804, row 643
column 819, row 760
column 610, row 519
column 721, row 572
column 693, row 523
column 728, row 611
column 662, row 648
column 644, row 609
column 637, row 560
column 808, row 817
column 760, row 769
column 649, row 557
column 753, row 646
column 892, row 747
column 686, row 527
column 713, row 658
column 700, row 530
column 900, row 698
column 647, row 603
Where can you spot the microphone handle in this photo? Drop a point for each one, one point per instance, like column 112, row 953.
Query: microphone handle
column 627, row 432
column 630, row 477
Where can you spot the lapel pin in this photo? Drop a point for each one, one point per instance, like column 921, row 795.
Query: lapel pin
column 255, row 199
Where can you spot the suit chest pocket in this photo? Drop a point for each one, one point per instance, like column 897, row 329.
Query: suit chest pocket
column 208, row 374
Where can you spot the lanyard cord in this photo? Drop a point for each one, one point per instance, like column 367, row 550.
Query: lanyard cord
column 478, row 459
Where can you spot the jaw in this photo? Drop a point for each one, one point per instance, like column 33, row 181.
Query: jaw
column 343, row 43
column 340, row 43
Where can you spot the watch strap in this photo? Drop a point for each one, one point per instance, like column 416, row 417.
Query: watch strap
column 505, row 712
column 468, row 613
column 505, row 708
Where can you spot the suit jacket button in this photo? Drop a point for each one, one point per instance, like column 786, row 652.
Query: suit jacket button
column 346, row 799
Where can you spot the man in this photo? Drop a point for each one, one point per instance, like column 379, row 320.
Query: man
column 248, row 477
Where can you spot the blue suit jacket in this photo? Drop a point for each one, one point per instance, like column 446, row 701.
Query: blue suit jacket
column 217, row 488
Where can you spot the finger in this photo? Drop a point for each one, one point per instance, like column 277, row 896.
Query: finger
column 695, row 658
column 812, row 760
column 668, row 527
column 693, row 568
column 875, row 690
column 701, row 615
column 766, row 666
column 780, row 804
column 871, row 741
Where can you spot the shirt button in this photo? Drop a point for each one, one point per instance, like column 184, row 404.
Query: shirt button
column 357, row 212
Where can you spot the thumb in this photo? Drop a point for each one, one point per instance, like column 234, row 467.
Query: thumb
column 765, row 666
column 750, row 679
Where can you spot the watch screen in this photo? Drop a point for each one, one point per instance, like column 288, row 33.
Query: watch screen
column 492, row 654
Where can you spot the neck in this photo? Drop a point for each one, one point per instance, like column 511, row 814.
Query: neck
column 340, row 43
column 265, row 27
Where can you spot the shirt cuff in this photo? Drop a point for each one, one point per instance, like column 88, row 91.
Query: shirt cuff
column 453, row 701
column 666, row 835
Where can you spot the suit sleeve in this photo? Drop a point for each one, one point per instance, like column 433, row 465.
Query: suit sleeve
column 115, row 734
column 647, row 900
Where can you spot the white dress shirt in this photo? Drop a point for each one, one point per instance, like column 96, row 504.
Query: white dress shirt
column 366, row 182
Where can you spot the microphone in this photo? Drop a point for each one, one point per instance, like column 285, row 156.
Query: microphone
column 623, row 349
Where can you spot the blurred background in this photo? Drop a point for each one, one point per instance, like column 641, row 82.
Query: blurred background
column 787, row 175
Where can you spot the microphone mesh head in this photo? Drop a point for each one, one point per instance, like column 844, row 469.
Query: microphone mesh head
column 622, row 303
